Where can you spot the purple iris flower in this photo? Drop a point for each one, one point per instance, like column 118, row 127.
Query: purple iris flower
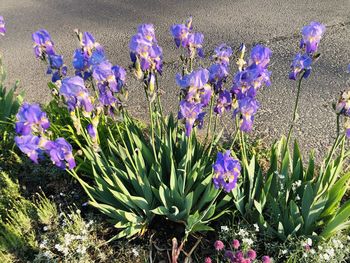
column 120, row 75
column 29, row 145
column 60, row 152
column 347, row 133
column 103, row 73
column 97, row 56
column 106, row 96
column 190, row 112
column 75, row 93
column 197, row 79
column 195, row 86
column 147, row 31
column 243, row 83
column 195, row 43
column 2, row 26
column 217, row 75
column 192, row 41
column 90, row 54
column 205, row 94
column 224, row 102
column 30, row 118
column 91, row 131
column 260, row 56
column 312, row 35
column 55, row 61
column 42, row 43
column 226, row 171
column 343, row 105
column 180, row 33
column 301, row 62
column 247, row 108
column 88, row 41
column 56, row 67
column 222, row 54
column 79, row 62
column 145, row 50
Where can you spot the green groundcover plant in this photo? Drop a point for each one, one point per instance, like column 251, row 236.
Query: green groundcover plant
column 134, row 174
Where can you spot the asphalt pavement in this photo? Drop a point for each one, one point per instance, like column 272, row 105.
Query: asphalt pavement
column 275, row 23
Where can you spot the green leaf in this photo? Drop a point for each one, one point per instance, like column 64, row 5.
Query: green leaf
column 339, row 222
column 199, row 227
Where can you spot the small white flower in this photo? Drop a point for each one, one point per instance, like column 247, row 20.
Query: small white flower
column 58, row 247
column 43, row 244
column 309, row 242
column 304, row 255
column 78, row 211
column 297, row 198
column 45, row 228
column 248, row 241
column 242, row 233
column 256, row 227
column 224, row 228
column 326, row 256
column 135, row 252
column 284, row 251
column 330, row 252
column 312, row 251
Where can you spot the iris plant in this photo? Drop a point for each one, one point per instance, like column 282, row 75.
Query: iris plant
column 301, row 65
column 44, row 49
column 32, row 139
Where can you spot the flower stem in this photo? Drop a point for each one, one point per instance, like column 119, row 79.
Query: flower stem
column 210, row 117
column 235, row 133
column 151, row 119
column 295, row 110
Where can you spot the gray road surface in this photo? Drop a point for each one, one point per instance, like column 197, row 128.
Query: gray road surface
column 275, row 23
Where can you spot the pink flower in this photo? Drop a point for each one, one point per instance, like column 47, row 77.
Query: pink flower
column 251, row 254
column 219, row 245
column 207, row 260
column 236, row 244
column 266, row 259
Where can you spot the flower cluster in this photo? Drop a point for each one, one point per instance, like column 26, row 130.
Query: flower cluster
column 75, row 93
column 192, row 41
column 236, row 253
column 218, row 73
column 311, row 36
column 343, row 108
column 44, row 49
column 110, row 80
column 145, row 52
column 89, row 54
column 2, row 26
column 90, row 60
column 226, row 171
column 247, row 82
column 196, row 94
column 31, row 126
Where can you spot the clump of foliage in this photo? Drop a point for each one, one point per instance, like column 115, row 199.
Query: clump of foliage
column 134, row 175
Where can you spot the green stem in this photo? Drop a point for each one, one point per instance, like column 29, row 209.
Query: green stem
column 295, row 110
column 338, row 125
column 235, row 133
column 151, row 120
column 210, row 117
column 190, row 66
